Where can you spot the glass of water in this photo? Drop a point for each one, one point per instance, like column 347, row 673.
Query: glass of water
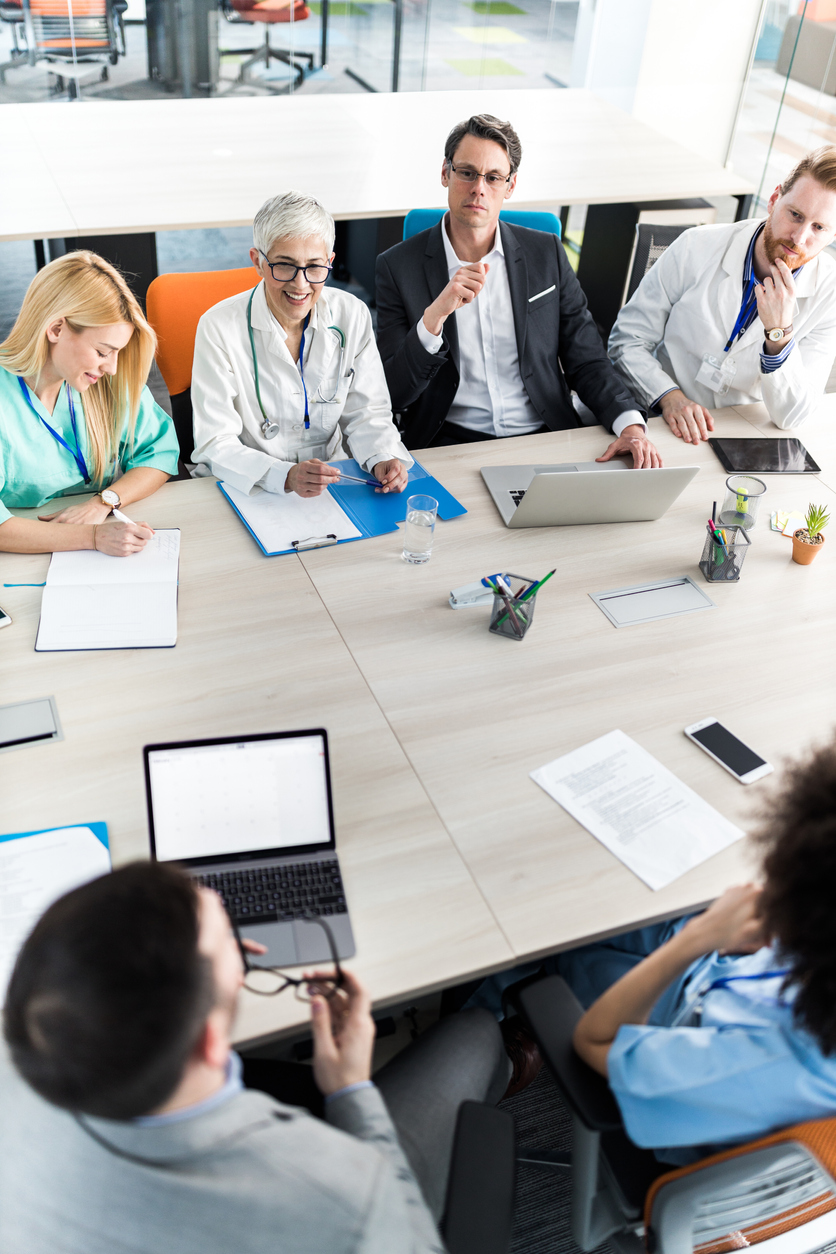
column 420, row 525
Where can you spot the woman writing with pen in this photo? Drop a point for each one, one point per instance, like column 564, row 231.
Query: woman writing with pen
column 287, row 376
column 75, row 415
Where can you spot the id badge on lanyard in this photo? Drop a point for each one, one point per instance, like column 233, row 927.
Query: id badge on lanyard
column 717, row 372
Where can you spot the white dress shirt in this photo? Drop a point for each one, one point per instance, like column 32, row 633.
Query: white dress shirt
column 491, row 396
column 348, row 400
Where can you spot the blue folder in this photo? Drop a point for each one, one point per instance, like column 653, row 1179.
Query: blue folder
column 99, row 830
column 373, row 513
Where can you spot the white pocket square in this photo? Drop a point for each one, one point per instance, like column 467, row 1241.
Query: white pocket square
column 544, row 292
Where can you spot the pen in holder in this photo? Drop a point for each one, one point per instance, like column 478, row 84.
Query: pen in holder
column 723, row 553
column 742, row 501
column 511, row 616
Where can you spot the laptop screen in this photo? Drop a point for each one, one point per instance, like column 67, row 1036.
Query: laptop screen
column 232, row 799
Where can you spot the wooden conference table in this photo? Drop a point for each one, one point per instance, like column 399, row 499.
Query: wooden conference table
column 455, row 862
column 177, row 164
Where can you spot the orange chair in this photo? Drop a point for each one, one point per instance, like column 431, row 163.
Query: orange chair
column 175, row 304
column 72, row 32
column 269, row 12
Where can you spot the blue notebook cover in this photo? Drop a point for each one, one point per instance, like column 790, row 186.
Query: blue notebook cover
column 99, row 830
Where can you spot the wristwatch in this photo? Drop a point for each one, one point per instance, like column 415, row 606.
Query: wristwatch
column 778, row 333
column 110, row 498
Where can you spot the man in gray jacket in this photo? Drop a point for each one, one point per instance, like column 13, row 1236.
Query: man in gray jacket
column 124, row 1124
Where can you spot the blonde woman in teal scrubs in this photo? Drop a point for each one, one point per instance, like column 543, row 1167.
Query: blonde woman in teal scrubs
column 75, row 415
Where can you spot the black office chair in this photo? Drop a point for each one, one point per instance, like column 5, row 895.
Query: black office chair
column 479, row 1208
column 780, row 1188
column 651, row 242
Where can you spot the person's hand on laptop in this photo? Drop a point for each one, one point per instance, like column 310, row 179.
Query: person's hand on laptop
column 343, row 1035
column 633, row 441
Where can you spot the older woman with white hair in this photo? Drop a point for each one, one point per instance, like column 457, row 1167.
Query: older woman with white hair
column 287, row 376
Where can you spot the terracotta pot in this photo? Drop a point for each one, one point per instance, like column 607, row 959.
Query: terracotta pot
column 802, row 551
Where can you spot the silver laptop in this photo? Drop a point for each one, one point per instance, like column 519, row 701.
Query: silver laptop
column 251, row 817
column 583, row 492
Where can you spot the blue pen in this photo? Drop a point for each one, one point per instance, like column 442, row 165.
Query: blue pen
column 370, row 483
column 25, row 585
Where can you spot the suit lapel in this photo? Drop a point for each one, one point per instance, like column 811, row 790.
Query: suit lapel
column 435, row 272
column 517, row 272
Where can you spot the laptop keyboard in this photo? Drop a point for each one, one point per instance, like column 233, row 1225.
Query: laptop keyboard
column 278, row 893
column 517, row 494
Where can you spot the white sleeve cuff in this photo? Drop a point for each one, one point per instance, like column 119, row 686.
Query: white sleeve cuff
column 627, row 420
column 432, row 343
column 273, row 480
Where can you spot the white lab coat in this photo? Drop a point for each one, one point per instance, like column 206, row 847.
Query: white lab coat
column 686, row 306
column 227, row 420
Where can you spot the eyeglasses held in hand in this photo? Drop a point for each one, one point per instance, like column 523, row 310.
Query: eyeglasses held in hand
column 465, row 174
column 269, row 981
column 286, row 272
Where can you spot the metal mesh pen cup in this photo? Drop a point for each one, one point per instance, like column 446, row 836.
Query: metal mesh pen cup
column 723, row 554
column 502, row 623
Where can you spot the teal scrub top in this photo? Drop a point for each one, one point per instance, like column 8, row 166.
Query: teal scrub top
column 35, row 468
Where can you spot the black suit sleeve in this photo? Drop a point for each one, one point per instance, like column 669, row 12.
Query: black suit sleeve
column 582, row 355
column 407, row 364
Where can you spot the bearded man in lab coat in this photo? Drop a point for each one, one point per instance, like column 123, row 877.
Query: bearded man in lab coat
column 734, row 314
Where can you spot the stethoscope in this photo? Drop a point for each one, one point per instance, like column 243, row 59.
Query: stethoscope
column 271, row 429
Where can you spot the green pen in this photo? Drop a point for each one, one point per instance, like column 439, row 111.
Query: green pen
column 529, row 592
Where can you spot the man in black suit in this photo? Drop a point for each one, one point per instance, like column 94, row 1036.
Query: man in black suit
column 484, row 331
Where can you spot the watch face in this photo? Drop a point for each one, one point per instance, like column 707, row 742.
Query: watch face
column 110, row 498
column 775, row 335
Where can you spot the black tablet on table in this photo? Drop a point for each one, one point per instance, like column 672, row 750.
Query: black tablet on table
column 782, row 456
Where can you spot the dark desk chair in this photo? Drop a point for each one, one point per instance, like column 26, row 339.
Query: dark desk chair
column 270, row 13
column 479, row 1210
column 651, row 243
column 778, row 1192
column 11, row 12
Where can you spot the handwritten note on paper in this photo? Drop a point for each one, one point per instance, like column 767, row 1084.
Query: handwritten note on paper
column 656, row 825
column 35, row 871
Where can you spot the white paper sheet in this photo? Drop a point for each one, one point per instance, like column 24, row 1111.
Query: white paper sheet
column 34, row 872
column 280, row 520
column 656, row 825
column 92, row 601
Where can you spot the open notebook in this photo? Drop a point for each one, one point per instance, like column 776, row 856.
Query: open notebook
column 92, row 601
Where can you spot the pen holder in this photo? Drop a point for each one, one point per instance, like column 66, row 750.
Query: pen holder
column 721, row 563
column 501, row 622
column 742, row 501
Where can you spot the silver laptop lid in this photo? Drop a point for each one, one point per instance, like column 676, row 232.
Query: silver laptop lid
column 539, row 496
column 239, row 799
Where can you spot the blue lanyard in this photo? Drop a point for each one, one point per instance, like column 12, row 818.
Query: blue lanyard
column 302, row 371
column 744, row 317
column 725, row 980
column 76, row 452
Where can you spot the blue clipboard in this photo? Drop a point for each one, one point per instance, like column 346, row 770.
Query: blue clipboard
column 99, row 830
column 373, row 513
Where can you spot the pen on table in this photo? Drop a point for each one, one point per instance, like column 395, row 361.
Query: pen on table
column 25, row 585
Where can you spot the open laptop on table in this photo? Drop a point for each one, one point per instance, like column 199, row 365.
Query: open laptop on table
column 583, row 492
column 252, row 817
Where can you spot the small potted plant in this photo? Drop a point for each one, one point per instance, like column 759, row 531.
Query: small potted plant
column 807, row 541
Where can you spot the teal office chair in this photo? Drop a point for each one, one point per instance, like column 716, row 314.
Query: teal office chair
column 535, row 219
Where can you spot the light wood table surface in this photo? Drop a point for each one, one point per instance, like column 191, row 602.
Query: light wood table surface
column 486, row 710
column 455, row 862
column 256, row 651
column 176, row 164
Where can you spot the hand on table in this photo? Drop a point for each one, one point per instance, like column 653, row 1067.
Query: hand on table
column 633, row 440
column 310, row 478
column 776, row 300
column 343, row 1035
column 392, row 475
column 92, row 511
column 732, row 924
column 465, row 286
column 121, row 539
column 686, row 419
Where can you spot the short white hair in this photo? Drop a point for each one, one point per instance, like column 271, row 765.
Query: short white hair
column 292, row 216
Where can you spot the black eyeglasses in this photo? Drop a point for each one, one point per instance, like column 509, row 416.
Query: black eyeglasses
column 465, row 174
column 286, row 272
column 269, row 981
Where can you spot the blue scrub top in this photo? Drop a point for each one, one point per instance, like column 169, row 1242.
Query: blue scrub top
column 35, row 468
column 735, row 1071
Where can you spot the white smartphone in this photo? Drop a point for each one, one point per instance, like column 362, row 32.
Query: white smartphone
column 5, row 618
column 719, row 743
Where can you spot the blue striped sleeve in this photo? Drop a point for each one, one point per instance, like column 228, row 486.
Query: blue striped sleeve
column 774, row 361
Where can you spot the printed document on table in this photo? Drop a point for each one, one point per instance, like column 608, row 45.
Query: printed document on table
column 278, row 521
column 92, row 601
column 34, row 871
column 637, row 808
